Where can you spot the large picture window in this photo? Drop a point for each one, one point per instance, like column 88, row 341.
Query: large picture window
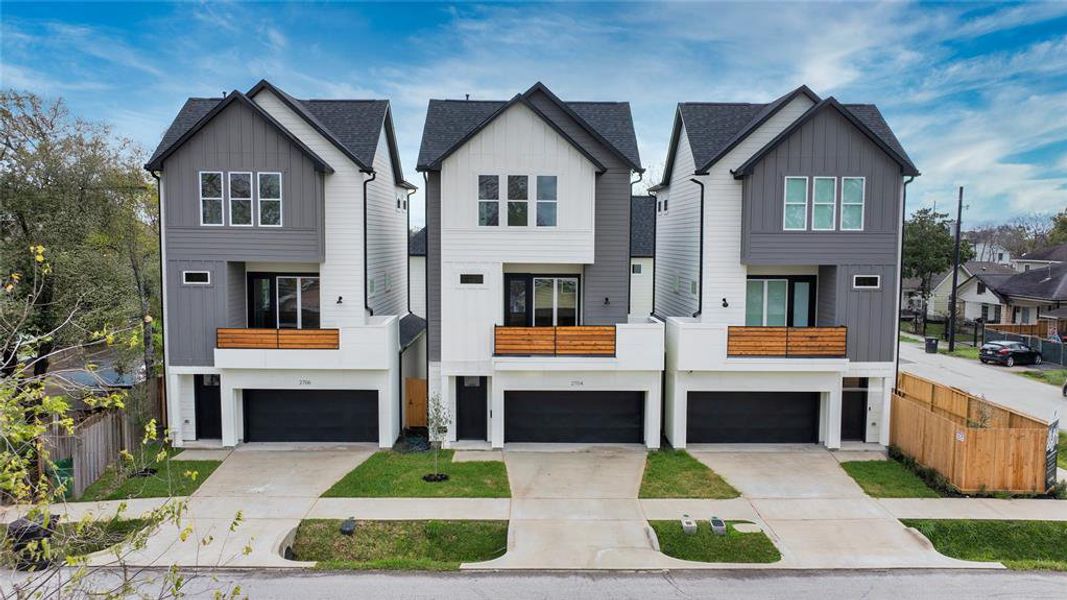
column 211, row 198
column 796, row 204
column 546, row 201
column 541, row 300
column 283, row 301
column 488, row 200
column 241, row 199
column 852, row 199
column 270, row 199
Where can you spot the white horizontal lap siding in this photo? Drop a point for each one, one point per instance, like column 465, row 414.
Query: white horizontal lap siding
column 342, row 271
column 418, row 285
column 518, row 142
column 387, row 240
column 678, row 237
column 641, row 286
column 724, row 275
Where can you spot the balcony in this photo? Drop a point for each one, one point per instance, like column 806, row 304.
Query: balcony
column 554, row 341
column 278, row 339
column 787, row 342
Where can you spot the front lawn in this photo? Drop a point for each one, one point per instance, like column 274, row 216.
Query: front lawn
column 1021, row 545
column 705, row 546
column 400, row 545
column 389, row 474
column 1054, row 377
column 172, row 478
column 676, row 474
column 1061, row 454
column 968, row 352
column 887, row 479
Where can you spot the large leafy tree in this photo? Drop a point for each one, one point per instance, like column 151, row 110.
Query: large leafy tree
column 1058, row 233
column 929, row 248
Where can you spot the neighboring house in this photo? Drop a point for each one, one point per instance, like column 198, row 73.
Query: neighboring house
column 988, row 251
column 284, row 243
column 978, row 299
column 777, row 253
column 1029, row 296
column 642, row 253
column 417, row 270
column 1041, row 258
column 528, row 272
column 911, row 295
column 941, row 293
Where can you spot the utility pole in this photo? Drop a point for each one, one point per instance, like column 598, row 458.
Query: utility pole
column 955, row 278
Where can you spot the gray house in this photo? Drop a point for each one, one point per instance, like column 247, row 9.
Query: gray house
column 777, row 250
column 284, row 241
column 528, row 272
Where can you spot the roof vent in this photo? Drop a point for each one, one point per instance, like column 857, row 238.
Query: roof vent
column 468, row 96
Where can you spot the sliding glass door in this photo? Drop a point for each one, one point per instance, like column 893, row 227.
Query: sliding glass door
column 780, row 302
column 283, row 301
column 540, row 300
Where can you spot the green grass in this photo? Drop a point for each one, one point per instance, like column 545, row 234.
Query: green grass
column 676, row 474
column 968, row 352
column 1054, row 377
column 1022, row 545
column 705, row 546
column 389, row 474
column 1061, row 455
column 887, row 479
column 400, row 545
column 174, row 478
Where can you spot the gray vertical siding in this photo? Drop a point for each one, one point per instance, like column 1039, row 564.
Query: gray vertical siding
column 826, row 302
column 433, row 264
column 870, row 315
column 827, row 145
column 235, row 140
column 609, row 275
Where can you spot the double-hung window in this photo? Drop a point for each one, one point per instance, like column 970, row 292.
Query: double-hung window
column 796, row 204
column 269, row 190
column 241, row 199
column 488, row 200
column 546, row 201
column 518, row 197
column 211, row 198
column 823, row 203
column 852, row 203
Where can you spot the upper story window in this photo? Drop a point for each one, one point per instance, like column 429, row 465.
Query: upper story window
column 241, row 199
column 211, row 198
column 270, row 199
column 518, row 196
column 981, row 287
column 852, row 194
column 823, row 203
column 546, row 200
column 796, row 204
column 488, row 200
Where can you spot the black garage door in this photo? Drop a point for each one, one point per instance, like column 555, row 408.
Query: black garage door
column 756, row 417
column 311, row 415
column 566, row 416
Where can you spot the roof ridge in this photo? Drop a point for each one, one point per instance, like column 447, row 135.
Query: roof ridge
column 724, row 103
column 342, row 99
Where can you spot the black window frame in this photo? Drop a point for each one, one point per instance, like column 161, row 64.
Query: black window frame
column 527, row 279
column 272, row 276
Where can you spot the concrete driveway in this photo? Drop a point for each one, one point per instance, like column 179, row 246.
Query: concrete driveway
column 272, row 486
column 999, row 384
column 817, row 515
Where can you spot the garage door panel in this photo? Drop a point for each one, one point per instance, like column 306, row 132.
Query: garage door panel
column 311, row 415
column 580, row 417
column 752, row 417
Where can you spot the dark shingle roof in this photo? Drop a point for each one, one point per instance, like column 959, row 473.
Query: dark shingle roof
column 1052, row 253
column 448, row 122
column 642, row 226
column 1045, row 283
column 975, row 267
column 411, row 326
column 353, row 125
column 417, row 243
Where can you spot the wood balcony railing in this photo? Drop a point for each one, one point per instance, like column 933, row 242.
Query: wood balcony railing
column 554, row 341
column 278, row 339
column 791, row 342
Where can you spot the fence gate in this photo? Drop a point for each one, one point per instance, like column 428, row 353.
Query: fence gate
column 415, row 410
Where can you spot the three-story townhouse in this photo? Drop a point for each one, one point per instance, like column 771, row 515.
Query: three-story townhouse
column 778, row 238
column 284, row 242
column 528, row 273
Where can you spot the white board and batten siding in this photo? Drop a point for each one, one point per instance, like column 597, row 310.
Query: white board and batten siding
column 517, row 142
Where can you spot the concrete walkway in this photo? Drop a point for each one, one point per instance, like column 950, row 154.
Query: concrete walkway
column 1000, row 384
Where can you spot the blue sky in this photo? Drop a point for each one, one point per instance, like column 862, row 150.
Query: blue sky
column 977, row 93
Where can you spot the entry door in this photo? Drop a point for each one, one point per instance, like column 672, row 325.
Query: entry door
column 854, row 409
column 207, row 398
column 471, row 408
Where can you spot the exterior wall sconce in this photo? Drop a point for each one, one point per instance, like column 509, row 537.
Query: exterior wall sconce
column 725, row 304
column 606, row 301
column 340, row 300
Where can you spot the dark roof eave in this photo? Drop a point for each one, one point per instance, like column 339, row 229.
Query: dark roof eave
column 235, row 96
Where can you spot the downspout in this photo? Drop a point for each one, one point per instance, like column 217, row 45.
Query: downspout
column 630, row 246
column 407, row 264
column 163, row 296
column 366, row 262
column 700, row 264
column 426, row 270
column 407, row 267
column 655, row 231
column 900, row 275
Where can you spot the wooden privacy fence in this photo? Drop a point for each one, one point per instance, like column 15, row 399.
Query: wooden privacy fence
column 1035, row 329
column 415, row 413
column 977, row 445
column 97, row 442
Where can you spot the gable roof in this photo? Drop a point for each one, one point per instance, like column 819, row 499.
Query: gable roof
column 1043, row 283
column 992, row 281
column 198, row 112
column 417, row 243
column 451, row 123
column 411, row 327
column 642, row 226
column 883, row 138
column 1051, row 253
column 972, row 268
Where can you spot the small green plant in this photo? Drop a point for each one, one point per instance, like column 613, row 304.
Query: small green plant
column 439, row 420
